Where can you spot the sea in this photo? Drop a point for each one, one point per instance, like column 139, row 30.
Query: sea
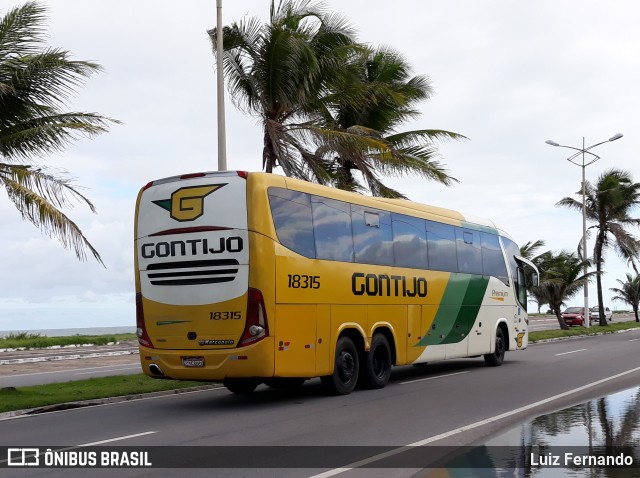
column 74, row 331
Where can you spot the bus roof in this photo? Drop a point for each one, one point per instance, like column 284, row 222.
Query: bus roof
column 403, row 206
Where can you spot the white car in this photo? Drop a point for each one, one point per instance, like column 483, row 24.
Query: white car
column 595, row 313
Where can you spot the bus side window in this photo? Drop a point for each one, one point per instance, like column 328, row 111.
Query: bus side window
column 372, row 238
column 511, row 250
column 409, row 241
column 492, row 258
column 291, row 212
column 441, row 247
column 522, row 289
column 332, row 229
column 469, row 251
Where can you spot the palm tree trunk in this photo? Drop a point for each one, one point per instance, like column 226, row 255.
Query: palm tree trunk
column 635, row 311
column 268, row 154
column 561, row 322
column 597, row 256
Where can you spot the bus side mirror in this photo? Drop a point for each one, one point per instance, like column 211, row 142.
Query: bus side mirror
column 535, row 280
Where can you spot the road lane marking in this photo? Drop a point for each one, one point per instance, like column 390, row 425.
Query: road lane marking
column 433, row 378
column 572, row 352
column 633, row 340
column 111, row 440
column 486, row 421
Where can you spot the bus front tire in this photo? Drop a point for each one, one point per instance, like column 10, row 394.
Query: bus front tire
column 241, row 386
column 345, row 369
column 497, row 357
column 377, row 367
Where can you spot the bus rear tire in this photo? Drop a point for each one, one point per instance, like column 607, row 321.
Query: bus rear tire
column 345, row 369
column 377, row 366
column 497, row 357
column 241, row 386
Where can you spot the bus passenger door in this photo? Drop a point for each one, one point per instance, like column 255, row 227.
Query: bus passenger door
column 295, row 340
column 482, row 331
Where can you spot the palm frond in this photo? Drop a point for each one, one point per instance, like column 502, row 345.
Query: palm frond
column 36, row 82
column 52, row 188
column 21, row 30
column 37, row 136
column 48, row 218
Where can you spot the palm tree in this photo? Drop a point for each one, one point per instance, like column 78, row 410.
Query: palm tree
column 608, row 204
column 562, row 279
column 301, row 75
column 278, row 71
column 629, row 292
column 35, row 82
column 381, row 79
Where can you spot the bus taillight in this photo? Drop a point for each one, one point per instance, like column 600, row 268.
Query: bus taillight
column 256, row 327
column 141, row 331
column 192, row 175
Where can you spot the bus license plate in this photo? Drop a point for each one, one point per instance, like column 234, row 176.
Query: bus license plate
column 193, row 361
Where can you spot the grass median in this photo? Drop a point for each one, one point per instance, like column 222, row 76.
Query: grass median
column 612, row 328
column 37, row 396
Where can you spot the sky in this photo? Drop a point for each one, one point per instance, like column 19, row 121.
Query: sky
column 508, row 75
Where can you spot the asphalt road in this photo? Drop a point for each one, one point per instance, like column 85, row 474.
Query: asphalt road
column 448, row 403
column 36, row 367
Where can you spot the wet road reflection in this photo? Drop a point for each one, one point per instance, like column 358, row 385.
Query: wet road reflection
column 596, row 439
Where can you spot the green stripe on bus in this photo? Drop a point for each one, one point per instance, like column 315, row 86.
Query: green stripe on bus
column 453, row 321
column 469, row 311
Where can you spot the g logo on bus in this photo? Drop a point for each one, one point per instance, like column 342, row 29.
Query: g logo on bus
column 187, row 204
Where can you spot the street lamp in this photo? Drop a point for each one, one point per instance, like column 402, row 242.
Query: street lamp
column 222, row 133
column 592, row 159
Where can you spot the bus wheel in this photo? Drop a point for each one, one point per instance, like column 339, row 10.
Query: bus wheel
column 497, row 357
column 378, row 363
column 345, row 369
column 284, row 383
column 241, row 385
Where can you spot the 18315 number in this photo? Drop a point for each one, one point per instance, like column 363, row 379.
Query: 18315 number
column 302, row 281
column 225, row 315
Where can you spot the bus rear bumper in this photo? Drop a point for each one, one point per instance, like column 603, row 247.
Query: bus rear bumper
column 255, row 360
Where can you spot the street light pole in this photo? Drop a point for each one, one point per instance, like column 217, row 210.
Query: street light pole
column 572, row 159
column 222, row 135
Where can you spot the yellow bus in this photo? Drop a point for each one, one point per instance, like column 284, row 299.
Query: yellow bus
column 249, row 278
